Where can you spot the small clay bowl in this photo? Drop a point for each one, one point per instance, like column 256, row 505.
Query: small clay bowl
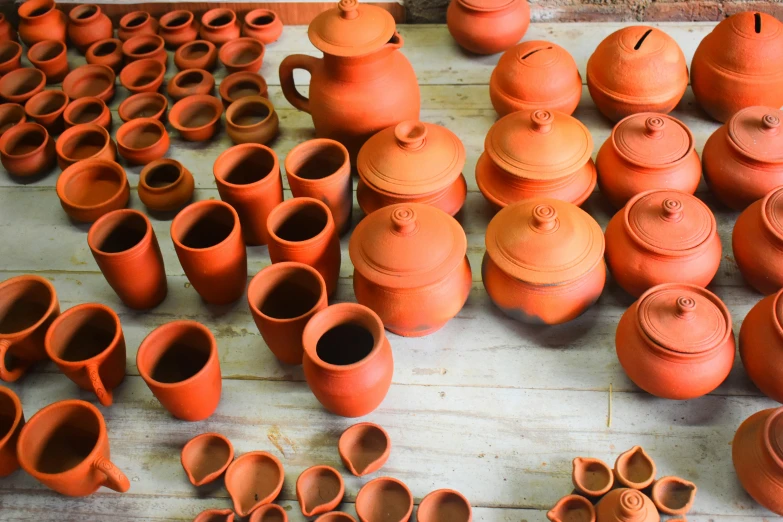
column 196, row 117
column 145, row 47
column 165, row 185
column 178, row 28
column 142, row 140
column 90, row 80
column 198, row 54
column 143, row 76
column 46, row 108
column 10, row 56
column 144, row 105
column 22, row 84
column 673, row 495
column 190, row 82
column 444, row 505
column 634, row 469
column 82, row 142
column 241, row 84
column 254, row 479
column 269, row 513
column 364, row 448
column 252, row 119
column 263, row 25
column 335, row 516
column 136, row 23
column 319, row 489
column 87, row 110
column 242, row 54
column 205, row 457
column 592, row 478
column 91, row 188
column 11, row 114
column 26, row 149
column 106, row 52
column 219, row 26
column 573, row 507
column 215, row 515
column 384, row 499
column 50, row 56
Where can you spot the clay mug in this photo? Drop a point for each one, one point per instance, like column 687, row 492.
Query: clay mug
column 761, row 345
column 136, row 23
column 252, row 119
column 49, row 56
column 41, row 20
column 7, row 31
column 65, row 446
column 26, row 149
column 87, row 24
column 757, row 243
column 219, row 26
column 11, row 114
column 20, row 85
column 178, row 28
column 757, row 454
column 13, row 421
column 106, row 52
column 46, row 108
column 87, row 110
column 197, row 54
column 87, row 344
column 487, row 27
column 262, row 24
column 10, row 56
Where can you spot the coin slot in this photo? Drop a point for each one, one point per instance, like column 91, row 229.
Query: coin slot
column 534, row 51
column 757, row 16
column 641, row 40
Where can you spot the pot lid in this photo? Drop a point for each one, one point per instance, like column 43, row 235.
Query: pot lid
column 408, row 245
column 486, row 5
column 411, row 158
column 544, row 241
column 772, row 212
column 652, row 139
column 683, row 318
column 539, row 145
column 669, row 221
column 756, row 132
column 351, row 29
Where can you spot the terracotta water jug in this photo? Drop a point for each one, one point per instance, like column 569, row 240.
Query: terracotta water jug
column 487, row 26
column 757, row 452
column 761, row 345
column 757, row 242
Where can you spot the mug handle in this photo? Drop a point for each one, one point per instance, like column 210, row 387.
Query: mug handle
column 6, row 374
column 115, row 479
column 105, row 397
column 287, row 67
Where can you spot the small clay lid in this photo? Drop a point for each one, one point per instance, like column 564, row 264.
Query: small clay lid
column 651, row 139
column 756, row 132
column 351, row 29
column 486, row 5
column 411, row 158
column 408, row 245
column 539, row 145
column 544, row 241
column 683, row 318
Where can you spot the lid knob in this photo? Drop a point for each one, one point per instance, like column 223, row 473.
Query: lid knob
column 686, row 307
column 672, row 209
column 545, row 218
column 542, row 121
column 653, row 127
column 349, row 9
column 770, row 123
column 411, row 135
column 631, row 504
column 404, row 221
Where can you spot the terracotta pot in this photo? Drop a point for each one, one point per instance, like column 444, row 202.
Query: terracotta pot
column 757, row 242
column 269, row 513
column 87, row 110
column 384, row 499
column 252, row 120
column 13, row 420
column 215, row 515
column 662, row 236
column 591, row 477
column 242, row 54
column 241, row 84
column 248, row 178
column 219, row 26
column 254, row 480
column 190, row 82
column 178, row 28
column 636, row 69
column 572, row 507
column 20, row 85
column 761, row 345
column 634, row 469
column 10, row 56
column 49, row 56
column 31, row 302
column 106, row 52
column 282, row 299
column 126, row 250
column 87, row 344
column 361, row 63
column 142, row 140
column 90, row 188
column 321, row 169
column 198, row 54
column 319, row 489
column 535, row 75
column 7, row 31
column 145, row 47
column 205, row 457
column 347, row 359
column 165, row 185
column 544, row 262
column 87, row 24
column 26, row 149
column 196, row 117
column 208, row 241
column 673, row 495
column 487, row 27
column 626, row 505
column 676, row 341
column 444, row 505
column 179, row 362
column 11, row 114
column 90, row 80
column 39, row 20
column 737, row 65
column 262, row 24
column 143, row 76
column 136, row 23
column 412, row 162
column 82, row 142
column 335, row 516
column 46, row 109
column 144, row 105
column 757, row 453
column 364, row 448
column 533, row 155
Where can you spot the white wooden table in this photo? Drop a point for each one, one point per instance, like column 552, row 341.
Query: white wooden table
column 487, row 406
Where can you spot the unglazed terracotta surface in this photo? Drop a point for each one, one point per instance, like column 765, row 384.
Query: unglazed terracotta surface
column 10, row 56
column 165, row 185
column 50, row 57
column 197, row 54
column 761, row 345
column 626, row 505
column 144, row 105
column 635, row 469
column 572, row 508
column 269, row 513
column 319, row 489
column 215, row 515
column 20, row 85
column 253, row 480
column 384, row 499
column 39, row 20
column 242, row 54
column 252, row 119
column 142, row 140
column 87, row 110
column 364, row 448
column 673, row 495
column 219, row 26
column 178, row 28
column 137, row 23
column 262, row 24
column 196, row 117
column 591, row 477
column 444, row 505
column 106, row 52
column 205, row 457
column 90, row 80
column 335, row 516
column 757, row 453
column 11, row 114
column 27, row 150
column 487, row 26
column 90, row 188
column 87, row 24
column 12, row 422
column 757, row 243
column 240, row 84
column 143, row 76
column 46, row 108
column 84, row 141
column 190, row 82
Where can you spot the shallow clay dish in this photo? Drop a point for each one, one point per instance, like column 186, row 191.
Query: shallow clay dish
column 136, row 23
column 444, row 505
column 253, row 480
column 572, row 508
column 90, row 188
column 252, row 119
column 26, row 149
column 673, row 495
column 143, row 76
column 142, row 140
column 198, row 54
column 87, row 110
column 592, row 477
column 364, row 448
column 82, row 142
column 335, row 516
column 46, row 108
column 319, row 489
column 165, row 185
column 262, row 24
column 384, row 499
column 50, row 57
column 106, row 52
column 215, row 515
column 20, row 85
column 11, row 114
column 205, row 457
column 144, row 105
column 241, row 84
column 242, row 54
column 634, row 469
column 145, row 47
column 196, row 117
column 190, row 82
column 10, row 56
column 269, row 513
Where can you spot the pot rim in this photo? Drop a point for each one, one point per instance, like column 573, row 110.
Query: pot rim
column 6, row 108
column 777, row 233
column 343, row 447
column 95, row 307
column 195, row 207
column 93, row 68
column 103, row 221
column 42, row 43
column 215, row 474
column 241, row 76
column 235, row 465
column 255, row 13
column 381, row 480
column 242, row 43
column 768, row 433
column 77, row 169
column 217, row 12
column 669, row 117
column 20, row 72
column 18, row 413
column 53, row 303
column 290, row 207
column 211, row 48
column 146, row 38
column 175, row 14
column 47, row 94
column 250, row 100
column 145, row 172
column 126, row 127
column 17, row 55
column 201, row 99
column 78, row 130
column 27, row 126
column 123, row 108
column 86, row 100
column 307, row 146
column 26, row 9
column 73, row 19
column 276, row 269
column 147, row 344
column 206, row 77
column 92, row 48
column 139, row 64
column 125, row 20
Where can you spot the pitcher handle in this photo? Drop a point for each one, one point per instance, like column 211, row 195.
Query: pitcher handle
column 6, row 374
column 287, row 67
column 105, row 397
column 115, row 479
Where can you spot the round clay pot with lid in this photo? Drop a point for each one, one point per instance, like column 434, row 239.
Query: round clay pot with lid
column 384, row 499
column 757, row 454
column 90, row 188
column 143, row 76
column 7, row 31
column 145, row 47
column 535, row 75
column 190, row 82
column 82, row 142
column 626, row 505
column 165, row 185
column 87, row 24
column 178, row 28
column 241, row 84
column 26, row 149
column 252, row 119
column 242, row 54
column 87, row 110
column 757, row 242
column 412, row 162
column 10, row 56
column 46, row 108
column 662, row 236
column 41, row 20
column 20, row 85
column 50, row 57
column 142, row 140
column 196, row 117
column 136, row 23
column 106, row 52
column 411, row 267
column 11, row 114
column 544, row 262
column 90, row 80
column 487, row 26
column 761, row 345
column 536, row 154
column 262, row 24
column 219, row 26
column 198, row 54
column 144, row 105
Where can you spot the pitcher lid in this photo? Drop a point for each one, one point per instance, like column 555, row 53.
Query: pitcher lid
column 351, row 29
column 757, row 133
column 651, row 139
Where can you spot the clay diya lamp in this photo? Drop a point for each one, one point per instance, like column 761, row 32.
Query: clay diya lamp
column 625, row 505
column 136, row 23
column 761, row 345
column 219, row 26
column 254, row 480
column 662, row 236
column 7, row 31
column 144, row 105
column 178, row 28
column 87, row 344
column 87, row 110
column 90, row 80
column 65, row 446
column 20, row 85
column 205, row 457
column 282, row 299
column 179, row 362
column 190, row 82
column 82, row 142
column 242, row 54
column 757, row 242
column 673, row 495
column 143, row 76
column 198, row 54
column 208, row 240
column 215, row 515
column 364, row 448
column 269, row 513
column 241, row 84
column 40, row 20
column 90, row 188
column 485, row 27
column 535, row 75
column 11, row 114
column 196, row 117
column 10, row 56
column 87, row 24
column 347, row 359
column 384, row 499
column 106, row 52
column 248, row 178
column 145, row 47
column 165, row 185
column 636, row 69
column 127, row 252
column 319, row 489
column 544, row 262
column 757, row 453
column 570, row 508
column 142, row 140
column 13, row 420
column 46, row 108
column 444, row 505
column 539, row 154
column 262, row 24
column 741, row 56
column 252, row 120
column 26, row 149
column 592, row 478
column 49, row 56
column 411, row 267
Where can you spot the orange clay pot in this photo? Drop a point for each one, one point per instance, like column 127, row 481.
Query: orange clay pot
column 20, row 85
column 757, row 452
column 364, row 448
column 106, row 52
column 384, row 499
column 178, row 28
column 592, row 478
column 40, row 20
column 13, row 420
column 544, row 262
column 82, row 142
column 165, row 185
column 49, row 56
column 10, row 56
column 536, row 154
column 145, row 47
column 190, row 82
column 219, row 26
column 179, row 362
column 263, row 25
column 412, row 162
column 319, row 489
column 411, row 267
column 46, row 108
column 208, row 241
column 126, row 250
column 270, row 513
column 757, row 242
column 205, row 457
column 90, row 188
column 11, row 114
column 87, row 110
column 347, row 359
column 570, row 508
column 634, row 469
column 142, row 140
column 144, row 105
column 636, row 69
column 444, row 505
column 334, row 516
column 87, row 24
column 90, row 80
column 761, row 345
column 361, row 63
column 136, row 23
column 254, row 480
column 738, row 65
column 198, row 54
column 535, row 75
column 26, row 149
column 487, row 26
column 676, row 341
column 240, row 85
column 248, row 178
column 252, row 119
column 242, row 54
column 626, row 505
column 8, row 33
column 215, row 515
column 32, row 302
column 673, row 495
column 662, row 236
column 87, row 344
column 196, row 117
column 143, row 76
